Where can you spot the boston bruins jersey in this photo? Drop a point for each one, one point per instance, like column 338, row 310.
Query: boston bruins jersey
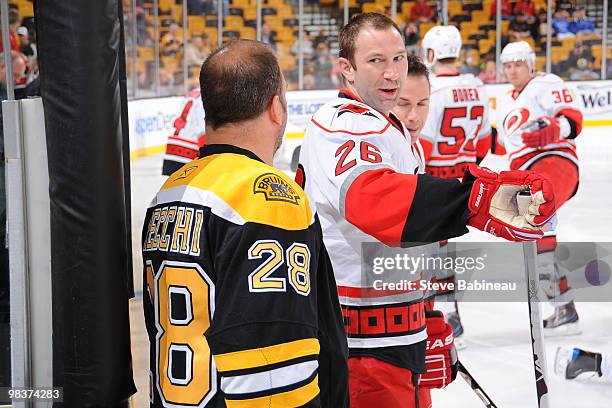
column 240, row 300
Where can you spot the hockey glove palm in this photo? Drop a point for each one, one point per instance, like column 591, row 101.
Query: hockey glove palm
column 493, row 206
column 441, row 356
column 544, row 131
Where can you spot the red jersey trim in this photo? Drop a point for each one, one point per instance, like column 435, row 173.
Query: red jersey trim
column 371, row 293
column 483, row 146
column 345, row 93
column 573, row 115
column 453, row 156
column 373, row 132
column 427, row 148
column 448, row 74
column 183, row 140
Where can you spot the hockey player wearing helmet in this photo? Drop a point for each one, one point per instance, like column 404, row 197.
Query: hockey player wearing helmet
column 457, row 132
column 537, row 123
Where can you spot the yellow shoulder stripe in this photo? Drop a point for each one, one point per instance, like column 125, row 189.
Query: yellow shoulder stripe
column 259, row 357
column 255, row 191
column 294, row 398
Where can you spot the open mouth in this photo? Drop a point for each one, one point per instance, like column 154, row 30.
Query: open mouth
column 388, row 91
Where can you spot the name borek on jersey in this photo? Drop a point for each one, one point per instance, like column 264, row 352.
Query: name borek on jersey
column 465, row 95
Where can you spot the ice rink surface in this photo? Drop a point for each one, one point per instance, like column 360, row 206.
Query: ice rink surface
column 498, row 352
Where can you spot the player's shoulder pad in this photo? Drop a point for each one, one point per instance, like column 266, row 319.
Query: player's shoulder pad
column 345, row 116
column 544, row 78
column 240, row 189
column 477, row 81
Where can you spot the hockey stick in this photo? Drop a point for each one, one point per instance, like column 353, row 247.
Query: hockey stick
column 465, row 374
column 535, row 322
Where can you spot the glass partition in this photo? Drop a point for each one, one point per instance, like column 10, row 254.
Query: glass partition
column 202, row 36
column 167, row 40
column 576, row 48
column 147, row 48
column 131, row 49
column 171, row 47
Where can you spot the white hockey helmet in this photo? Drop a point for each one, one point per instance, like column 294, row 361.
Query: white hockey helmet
column 518, row 51
column 444, row 41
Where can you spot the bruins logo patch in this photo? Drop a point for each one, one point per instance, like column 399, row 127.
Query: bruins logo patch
column 275, row 188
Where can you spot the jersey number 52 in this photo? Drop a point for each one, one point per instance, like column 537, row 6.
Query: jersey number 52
column 452, row 131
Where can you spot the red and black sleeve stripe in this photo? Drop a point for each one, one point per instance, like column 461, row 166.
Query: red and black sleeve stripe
column 397, row 208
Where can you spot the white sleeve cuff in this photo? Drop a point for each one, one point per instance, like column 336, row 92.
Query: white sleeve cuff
column 564, row 125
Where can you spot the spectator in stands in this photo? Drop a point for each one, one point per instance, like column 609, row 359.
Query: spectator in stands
column 583, row 71
column 542, row 24
column 489, row 73
column 506, row 10
column 422, row 12
column 321, row 66
column 579, row 51
column 566, row 67
column 583, row 26
column 565, row 5
column 307, row 47
column 142, row 35
column 520, row 27
column 321, row 37
column 561, row 25
column 172, row 41
column 14, row 23
column 268, row 37
column 526, row 7
column 197, row 51
column 469, row 59
column 412, row 35
column 25, row 46
column 14, row 20
column 28, row 49
column 309, row 82
column 197, row 7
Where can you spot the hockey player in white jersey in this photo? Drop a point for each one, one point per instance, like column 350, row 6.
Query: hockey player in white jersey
column 457, row 131
column 458, row 128
column 572, row 362
column 364, row 171
column 189, row 134
column 537, row 123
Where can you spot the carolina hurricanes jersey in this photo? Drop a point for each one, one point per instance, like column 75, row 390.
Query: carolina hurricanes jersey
column 458, row 128
column 188, row 135
column 544, row 95
column 240, row 299
column 363, row 172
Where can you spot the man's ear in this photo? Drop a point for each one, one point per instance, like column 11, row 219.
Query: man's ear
column 276, row 110
column 430, row 55
column 347, row 70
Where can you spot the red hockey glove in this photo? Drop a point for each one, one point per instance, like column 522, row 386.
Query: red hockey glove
column 544, row 130
column 493, row 203
column 441, row 357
